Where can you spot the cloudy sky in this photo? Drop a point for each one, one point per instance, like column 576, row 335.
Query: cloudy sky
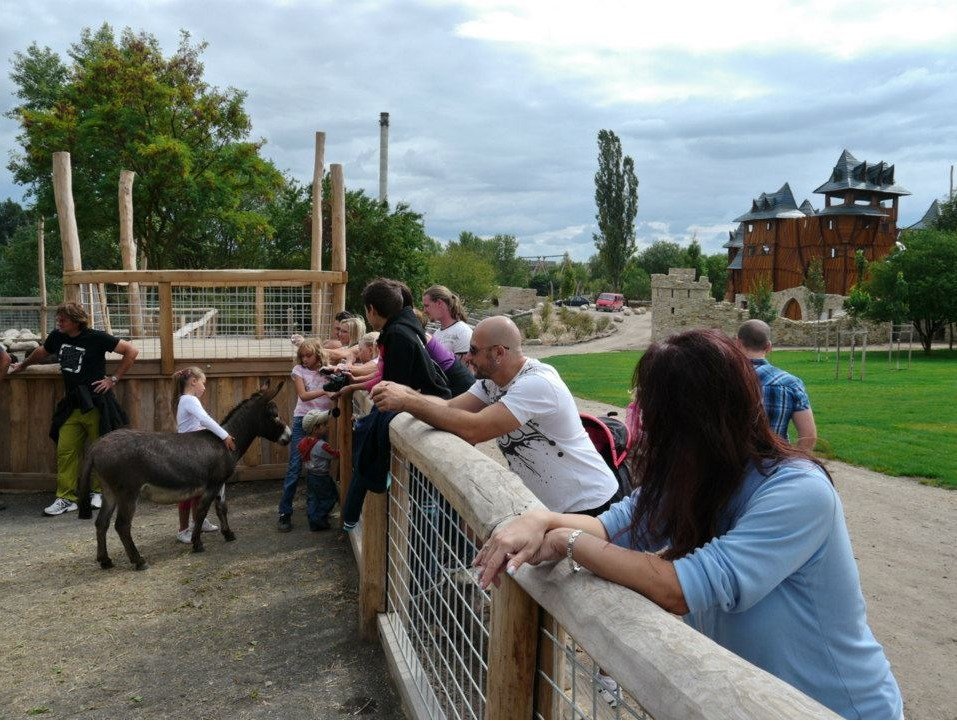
column 495, row 106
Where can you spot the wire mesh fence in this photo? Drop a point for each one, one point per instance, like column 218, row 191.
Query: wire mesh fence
column 434, row 605
column 221, row 321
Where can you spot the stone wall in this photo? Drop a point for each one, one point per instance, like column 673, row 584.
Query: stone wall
column 679, row 302
column 509, row 299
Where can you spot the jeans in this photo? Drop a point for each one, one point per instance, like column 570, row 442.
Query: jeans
column 80, row 428
column 292, row 470
column 322, row 496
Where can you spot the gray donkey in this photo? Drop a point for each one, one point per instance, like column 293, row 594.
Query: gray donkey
column 173, row 467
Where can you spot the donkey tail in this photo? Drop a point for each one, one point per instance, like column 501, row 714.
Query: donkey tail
column 83, row 486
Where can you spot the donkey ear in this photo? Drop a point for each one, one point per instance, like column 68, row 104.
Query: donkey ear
column 271, row 394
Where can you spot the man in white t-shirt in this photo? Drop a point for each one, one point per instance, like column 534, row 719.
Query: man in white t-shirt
column 529, row 409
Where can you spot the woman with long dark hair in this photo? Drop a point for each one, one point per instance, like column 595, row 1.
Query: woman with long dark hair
column 731, row 527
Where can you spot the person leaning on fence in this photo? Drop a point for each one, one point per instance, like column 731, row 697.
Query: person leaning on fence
column 731, row 527
column 89, row 409
column 4, row 361
column 525, row 405
column 785, row 399
column 404, row 359
column 458, row 374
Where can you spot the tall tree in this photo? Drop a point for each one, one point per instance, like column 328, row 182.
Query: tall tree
column 716, row 268
column 616, row 197
column 500, row 251
column 660, row 256
column 201, row 184
column 916, row 282
column 466, row 273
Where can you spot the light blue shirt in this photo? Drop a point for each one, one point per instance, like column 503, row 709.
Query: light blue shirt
column 779, row 587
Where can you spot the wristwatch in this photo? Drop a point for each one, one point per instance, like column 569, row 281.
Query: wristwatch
column 114, row 379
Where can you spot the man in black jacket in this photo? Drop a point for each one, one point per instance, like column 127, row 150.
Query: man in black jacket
column 89, row 409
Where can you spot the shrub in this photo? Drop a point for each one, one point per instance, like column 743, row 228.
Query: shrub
column 528, row 327
column 547, row 315
column 601, row 325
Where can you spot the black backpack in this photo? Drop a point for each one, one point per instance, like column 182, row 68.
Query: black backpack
column 612, row 439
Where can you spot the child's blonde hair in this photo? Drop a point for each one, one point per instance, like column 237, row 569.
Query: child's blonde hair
column 315, row 346
column 181, row 379
column 357, row 328
column 371, row 339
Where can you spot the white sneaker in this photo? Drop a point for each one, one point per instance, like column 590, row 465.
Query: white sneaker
column 209, row 526
column 608, row 689
column 96, row 500
column 185, row 536
column 60, row 505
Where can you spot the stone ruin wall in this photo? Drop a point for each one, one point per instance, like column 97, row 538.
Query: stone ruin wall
column 679, row 302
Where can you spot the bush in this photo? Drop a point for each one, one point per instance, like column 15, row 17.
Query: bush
column 528, row 327
column 546, row 316
column 601, row 325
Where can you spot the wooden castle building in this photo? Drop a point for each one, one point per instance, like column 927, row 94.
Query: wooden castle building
column 777, row 239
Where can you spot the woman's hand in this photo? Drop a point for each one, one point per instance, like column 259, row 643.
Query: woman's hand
column 230, row 443
column 512, row 545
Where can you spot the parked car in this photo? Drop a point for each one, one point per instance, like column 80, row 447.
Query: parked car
column 574, row 301
column 610, row 302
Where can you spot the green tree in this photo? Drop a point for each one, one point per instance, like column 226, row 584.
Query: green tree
column 466, row 273
column 716, row 268
column 815, row 298
column 916, row 282
column 760, row 302
column 499, row 251
column 202, row 187
column 569, row 284
column 12, row 216
column 616, row 197
column 635, row 282
column 694, row 259
column 948, row 215
column 660, row 256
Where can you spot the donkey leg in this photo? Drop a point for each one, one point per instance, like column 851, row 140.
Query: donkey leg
column 202, row 508
column 221, row 511
column 102, row 526
column 124, row 522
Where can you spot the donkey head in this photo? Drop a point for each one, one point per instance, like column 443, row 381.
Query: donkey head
column 271, row 426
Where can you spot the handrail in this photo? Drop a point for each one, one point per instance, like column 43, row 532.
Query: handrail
column 240, row 276
column 671, row 669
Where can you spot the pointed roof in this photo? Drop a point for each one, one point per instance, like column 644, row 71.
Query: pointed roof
column 738, row 261
column 735, row 238
column 929, row 219
column 851, row 174
column 780, row 204
column 807, row 208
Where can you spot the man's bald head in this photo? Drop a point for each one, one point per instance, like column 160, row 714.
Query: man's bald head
column 755, row 335
column 498, row 330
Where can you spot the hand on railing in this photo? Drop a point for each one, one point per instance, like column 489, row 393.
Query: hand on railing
column 524, row 540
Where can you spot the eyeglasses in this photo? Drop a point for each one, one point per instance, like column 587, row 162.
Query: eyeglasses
column 475, row 351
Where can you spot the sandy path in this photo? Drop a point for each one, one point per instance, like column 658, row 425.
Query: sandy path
column 903, row 535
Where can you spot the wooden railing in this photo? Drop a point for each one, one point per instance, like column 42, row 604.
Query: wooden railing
column 536, row 646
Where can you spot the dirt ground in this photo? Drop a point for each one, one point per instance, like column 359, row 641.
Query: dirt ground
column 903, row 536
column 264, row 627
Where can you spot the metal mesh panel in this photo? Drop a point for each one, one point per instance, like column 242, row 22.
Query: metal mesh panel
column 571, row 685
column 210, row 322
column 435, row 606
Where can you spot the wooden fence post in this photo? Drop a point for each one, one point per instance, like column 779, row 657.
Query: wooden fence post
column 260, row 311
column 343, row 432
column 338, row 234
column 66, row 218
column 128, row 250
column 167, row 359
column 315, row 258
column 512, row 648
column 42, row 277
column 551, row 660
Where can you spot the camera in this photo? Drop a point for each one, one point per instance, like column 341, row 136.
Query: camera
column 336, row 382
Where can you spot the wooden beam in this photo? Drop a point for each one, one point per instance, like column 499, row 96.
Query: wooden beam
column 338, row 234
column 167, row 358
column 42, row 276
column 234, row 277
column 128, row 250
column 66, row 218
column 373, row 566
column 315, row 257
column 512, row 652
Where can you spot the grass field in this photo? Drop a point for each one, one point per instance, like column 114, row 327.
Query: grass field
column 903, row 423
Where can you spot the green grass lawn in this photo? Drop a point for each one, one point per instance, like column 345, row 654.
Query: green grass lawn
column 903, row 423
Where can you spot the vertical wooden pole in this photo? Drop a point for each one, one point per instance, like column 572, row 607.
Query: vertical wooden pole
column 104, row 307
column 128, row 250
column 513, row 646
column 260, row 311
column 167, row 359
column 551, row 660
column 372, row 569
column 42, row 277
column 338, row 234
column 315, row 258
column 66, row 218
column 344, row 446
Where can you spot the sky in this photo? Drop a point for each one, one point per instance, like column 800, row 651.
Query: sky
column 495, row 106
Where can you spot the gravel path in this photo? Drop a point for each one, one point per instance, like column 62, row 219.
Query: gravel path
column 903, row 535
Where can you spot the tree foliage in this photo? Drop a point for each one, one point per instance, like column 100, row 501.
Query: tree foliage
column 499, row 251
column 760, row 301
column 466, row 273
column 635, row 281
column 660, row 256
column 814, row 282
column 201, row 188
column 716, row 268
column 948, row 215
column 616, row 197
column 916, row 282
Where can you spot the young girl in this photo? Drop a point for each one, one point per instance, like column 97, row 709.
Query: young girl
column 191, row 416
column 311, row 396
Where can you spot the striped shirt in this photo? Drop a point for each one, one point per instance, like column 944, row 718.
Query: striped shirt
column 784, row 395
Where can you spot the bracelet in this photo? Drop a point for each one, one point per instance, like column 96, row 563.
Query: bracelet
column 569, row 547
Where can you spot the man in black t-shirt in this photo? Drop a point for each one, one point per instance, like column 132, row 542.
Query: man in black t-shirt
column 89, row 407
